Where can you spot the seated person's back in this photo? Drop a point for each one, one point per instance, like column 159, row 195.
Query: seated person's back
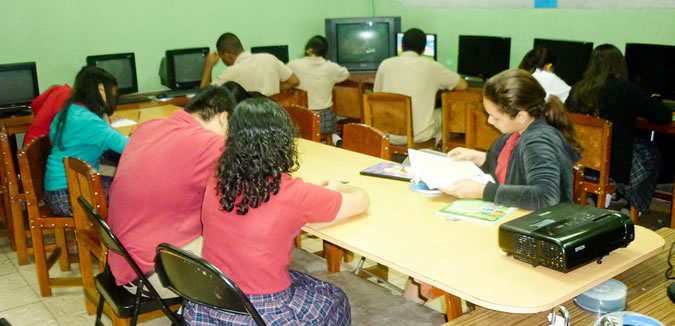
column 45, row 107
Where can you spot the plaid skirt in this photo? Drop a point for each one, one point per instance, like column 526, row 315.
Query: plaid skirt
column 644, row 175
column 59, row 200
column 328, row 121
column 308, row 301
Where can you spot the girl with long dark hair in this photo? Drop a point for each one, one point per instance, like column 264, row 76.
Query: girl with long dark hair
column 540, row 62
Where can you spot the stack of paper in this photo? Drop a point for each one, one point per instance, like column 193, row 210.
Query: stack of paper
column 440, row 171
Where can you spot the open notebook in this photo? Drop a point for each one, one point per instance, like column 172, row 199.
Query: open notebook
column 439, row 171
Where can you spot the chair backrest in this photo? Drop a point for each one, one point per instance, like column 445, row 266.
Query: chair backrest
column 307, row 120
column 292, row 96
column 348, row 99
column 479, row 133
column 8, row 178
column 390, row 113
column 85, row 181
column 33, row 166
column 197, row 280
column 595, row 135
column 365, row 139
column 455, row 105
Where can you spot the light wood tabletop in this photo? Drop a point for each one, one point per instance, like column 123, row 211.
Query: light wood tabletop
column 402, row 231
column 144, row 114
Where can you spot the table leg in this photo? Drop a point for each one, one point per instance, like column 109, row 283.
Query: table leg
column 333, row 256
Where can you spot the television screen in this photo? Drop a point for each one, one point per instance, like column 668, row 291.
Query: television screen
column 279, row 51
column 652, row 66
column 572, row 57
column 183, row 68
column 483, row 56
column 360, row 44
column 122, row 66
column 429, row 49
column 18, row 84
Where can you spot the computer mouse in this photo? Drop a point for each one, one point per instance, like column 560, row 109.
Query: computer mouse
column 671, row 292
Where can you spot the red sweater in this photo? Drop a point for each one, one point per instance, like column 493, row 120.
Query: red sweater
column 45, row 107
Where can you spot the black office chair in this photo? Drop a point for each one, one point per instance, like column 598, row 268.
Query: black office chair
column 197, row 280
column 123, row 303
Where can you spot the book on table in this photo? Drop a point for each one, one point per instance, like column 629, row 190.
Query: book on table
column 388, row 170
column 439, row 171
column 476, row 210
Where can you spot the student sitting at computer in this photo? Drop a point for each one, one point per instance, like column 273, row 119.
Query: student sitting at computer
column 540, row 62
column 79, row 130
column 318, row 76
column 261, row 72
column 159, row 185
column 606, row 92
column 411, row 75
column 532, row 160
column 252, row 211
column 45, row 107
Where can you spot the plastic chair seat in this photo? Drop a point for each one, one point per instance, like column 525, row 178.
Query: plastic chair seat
column 122, row 302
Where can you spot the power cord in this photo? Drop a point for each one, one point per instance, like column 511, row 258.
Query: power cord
column 669, row 271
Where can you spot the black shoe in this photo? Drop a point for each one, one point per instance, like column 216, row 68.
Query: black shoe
column 339, row 143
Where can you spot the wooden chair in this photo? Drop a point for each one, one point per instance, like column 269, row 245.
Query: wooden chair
column 348, row 102
column 365, row 139
column 307, row 121
column 9, row 190
column 392, row 114
column 455, row 105
column 84, row 181
column 292, row 96
column 595, row 135
column 32, row 164
column 479, row 133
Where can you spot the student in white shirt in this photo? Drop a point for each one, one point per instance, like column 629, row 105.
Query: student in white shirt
column 318, row 76
column 410, row 74
column 260, row 72
column 541, row 61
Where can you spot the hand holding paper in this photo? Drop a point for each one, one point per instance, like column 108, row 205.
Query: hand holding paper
column 441, row 172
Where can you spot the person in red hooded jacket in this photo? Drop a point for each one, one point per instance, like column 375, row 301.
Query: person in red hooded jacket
column 45, row 107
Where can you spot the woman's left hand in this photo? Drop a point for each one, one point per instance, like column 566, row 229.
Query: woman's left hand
column 465, row 188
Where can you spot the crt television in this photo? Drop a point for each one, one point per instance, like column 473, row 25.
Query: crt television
column 429, row 49
column 652, row 66
column 183, row 68
column 18, row 84
column 483, row 56
column 120, row 65
column 572, row 57
column 360, row 44
column 279, row 51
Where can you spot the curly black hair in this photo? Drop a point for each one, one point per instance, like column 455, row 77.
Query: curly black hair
column 260, row 147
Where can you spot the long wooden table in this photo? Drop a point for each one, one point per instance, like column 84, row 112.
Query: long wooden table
column 402, row 231
column 646, row 284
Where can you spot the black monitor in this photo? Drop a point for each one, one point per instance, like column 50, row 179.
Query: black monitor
column 279, row 51
column 429, row 50
column 360, row 44
column 572, row 57
column 122, row 66
column 483, row 56
column 652, row 66
column 18, row 84
column 183, row 68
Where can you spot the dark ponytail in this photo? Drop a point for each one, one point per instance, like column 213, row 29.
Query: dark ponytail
column 556, row 116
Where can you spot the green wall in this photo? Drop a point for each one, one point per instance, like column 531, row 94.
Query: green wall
column 599, row 26
column 58, row 35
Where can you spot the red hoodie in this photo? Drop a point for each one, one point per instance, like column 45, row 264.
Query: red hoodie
column 45, row 107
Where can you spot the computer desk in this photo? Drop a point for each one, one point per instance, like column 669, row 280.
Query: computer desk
column 402, row 231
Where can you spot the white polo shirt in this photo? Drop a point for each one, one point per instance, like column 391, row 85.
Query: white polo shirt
column 318, row 76
column 417, row 77
column 261, row 72
column 552, row 84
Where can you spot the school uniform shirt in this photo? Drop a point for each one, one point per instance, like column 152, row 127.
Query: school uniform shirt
column 159, row 185
column 260, row 72
column 85, row 136
column 318, row 76
column 417, row 77
column 45, row 107
column 254, row 249
column 552, row 84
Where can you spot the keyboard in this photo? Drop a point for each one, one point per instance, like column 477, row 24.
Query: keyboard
column 178, row 92
column 14, row 111
column 124, row 99
column 669, row 105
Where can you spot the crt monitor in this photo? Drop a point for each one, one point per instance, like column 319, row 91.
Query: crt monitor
column 360, row 44
column 429, row 49
column 483, row 56
column 183, row 68
column 572, row 57
column 279, row 51
column 120, row 65
column 18, row 84
column 652, row 66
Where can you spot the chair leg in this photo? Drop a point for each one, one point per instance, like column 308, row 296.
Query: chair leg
column 99, row 310
column 139, row 294
column 87, row 273
column 601, row 200
column 19, row 230
column 40, row 260
column 634, row 215
column 453, row 306
column 60, row 239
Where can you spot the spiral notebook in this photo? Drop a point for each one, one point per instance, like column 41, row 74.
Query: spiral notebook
column 388, row 170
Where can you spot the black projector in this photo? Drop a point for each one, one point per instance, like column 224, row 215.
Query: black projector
column 565, row 236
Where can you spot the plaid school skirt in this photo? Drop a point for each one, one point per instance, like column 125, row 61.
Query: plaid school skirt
column 59, row 200
column 308, row 301
column 644, row 175
column 328, row 121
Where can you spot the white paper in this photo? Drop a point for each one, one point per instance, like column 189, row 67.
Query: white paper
column 122, row 123
column 440, row 172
